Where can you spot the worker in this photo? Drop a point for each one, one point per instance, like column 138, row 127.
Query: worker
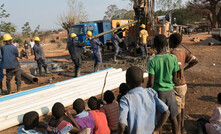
column 115, row 41
column 40, row 56
column 10, row 62
column 96, row 46
column 75, row 49
column 143, row 40
column 121, row 36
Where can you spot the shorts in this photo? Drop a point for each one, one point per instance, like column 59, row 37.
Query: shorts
column 180, row 93
column 168, row 97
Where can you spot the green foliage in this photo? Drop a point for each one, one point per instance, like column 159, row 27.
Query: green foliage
column 167, row 5
column 18, row 40
column 5, row 27
column 26, row 30
column 114, row 13
column 36, row 31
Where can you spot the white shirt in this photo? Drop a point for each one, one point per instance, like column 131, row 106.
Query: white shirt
column 32, row 43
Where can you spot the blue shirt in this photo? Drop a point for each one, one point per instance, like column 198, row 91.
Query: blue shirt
column 138, row 110
column 95, row 44
column 9, row 57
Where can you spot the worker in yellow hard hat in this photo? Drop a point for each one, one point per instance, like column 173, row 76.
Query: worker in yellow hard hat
column 96, row 46
column 115, row 41
column 143, row 40
column 40, row 56
column 10, row 63
column 75, row 48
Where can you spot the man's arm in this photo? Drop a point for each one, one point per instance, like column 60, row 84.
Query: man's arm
column 121, row 128
column 76, row 128
column 175, row 79
column 192, row 63
column 150, row 82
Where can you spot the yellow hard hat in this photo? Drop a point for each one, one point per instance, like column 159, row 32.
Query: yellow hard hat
column 7, row 37
column 142, row 26
column 73, row 35
column 118, row 23
column 89, row 33
column 36, row 39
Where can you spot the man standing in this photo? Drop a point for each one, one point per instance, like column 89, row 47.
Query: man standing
column 40, row 56
column 143, row 40
column 10, row 62
column 183, row 57
column 75, row 50
column 116, row 40
column 96, row 48
column 26, row 48
column 32, row 43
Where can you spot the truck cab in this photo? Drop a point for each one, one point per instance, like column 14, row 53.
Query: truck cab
column 95, row 27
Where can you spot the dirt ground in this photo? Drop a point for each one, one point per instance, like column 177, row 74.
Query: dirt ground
column 204, row 80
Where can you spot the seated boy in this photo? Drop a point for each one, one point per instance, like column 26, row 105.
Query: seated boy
column 30, row 122
column 162, row 70
column 101, row 125
column 112, row 111
column 123, row 89
column 83, row 118
column 58, row 124
column 214, row 125
column 139, row 106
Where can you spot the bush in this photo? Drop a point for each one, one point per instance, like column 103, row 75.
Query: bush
column 18, row 40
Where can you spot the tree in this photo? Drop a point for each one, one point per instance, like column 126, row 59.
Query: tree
column 26, row 30
column 211, row 6
column 36, row 31
column 75, row 14
column 114, row 13
column 168, row 5
column 5, row 27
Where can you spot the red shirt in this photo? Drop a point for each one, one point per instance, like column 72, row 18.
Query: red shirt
column 101, row 125
column 113, row 112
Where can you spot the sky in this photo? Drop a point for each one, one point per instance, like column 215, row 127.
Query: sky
column 46, row 12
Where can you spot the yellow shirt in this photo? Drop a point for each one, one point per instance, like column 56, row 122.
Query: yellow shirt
column 143, row 36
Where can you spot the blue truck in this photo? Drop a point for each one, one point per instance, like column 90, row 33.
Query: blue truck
column 96, row 27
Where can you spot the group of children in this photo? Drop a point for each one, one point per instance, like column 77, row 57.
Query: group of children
column 98, row 120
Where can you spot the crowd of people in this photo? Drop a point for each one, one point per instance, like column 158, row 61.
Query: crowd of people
column 137, row 109
column 8, row 61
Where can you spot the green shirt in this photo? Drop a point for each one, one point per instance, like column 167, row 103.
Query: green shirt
column 162, row 67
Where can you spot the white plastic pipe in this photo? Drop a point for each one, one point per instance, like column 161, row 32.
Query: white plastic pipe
column 83, row 89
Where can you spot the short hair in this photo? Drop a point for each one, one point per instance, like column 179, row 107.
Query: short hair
column 219, row 98
column 30, row 120
column 160, row 41
column 79, row 105
column 134, row 76
column 176, row 39
column 109, row 96
column 58, row 110
column 123, row 89
column 93, row 103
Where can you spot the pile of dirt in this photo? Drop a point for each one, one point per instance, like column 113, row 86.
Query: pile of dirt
column 208, row 40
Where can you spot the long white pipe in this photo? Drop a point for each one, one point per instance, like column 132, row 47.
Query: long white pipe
column 44, row 110
column 59, row 89
column 8, row 113
column 11, row 101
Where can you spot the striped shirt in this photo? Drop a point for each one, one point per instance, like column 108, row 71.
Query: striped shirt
column 112, row 112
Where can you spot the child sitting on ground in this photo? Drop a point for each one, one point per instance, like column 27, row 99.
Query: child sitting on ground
column 112, row 111
column 58, row 124
column 101, row 125
column 30, row 122
column 123, row 89
column 83, row 117
column 213, row 126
